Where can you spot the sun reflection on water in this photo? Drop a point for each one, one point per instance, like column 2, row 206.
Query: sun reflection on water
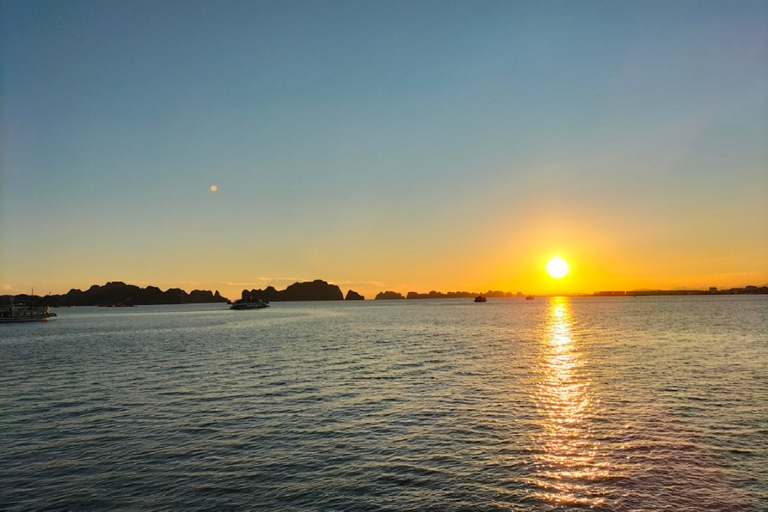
column 567, row 461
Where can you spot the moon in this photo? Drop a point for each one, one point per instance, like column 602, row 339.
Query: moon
column 557, row 267
column 213, row 188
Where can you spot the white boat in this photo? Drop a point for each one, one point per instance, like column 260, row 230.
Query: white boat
column 23, row 313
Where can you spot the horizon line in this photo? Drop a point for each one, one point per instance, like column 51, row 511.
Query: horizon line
column 605, row 292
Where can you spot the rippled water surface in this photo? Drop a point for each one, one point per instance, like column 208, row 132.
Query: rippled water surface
column 653, row 403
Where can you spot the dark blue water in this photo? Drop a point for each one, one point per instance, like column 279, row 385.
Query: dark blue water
column 653, row 403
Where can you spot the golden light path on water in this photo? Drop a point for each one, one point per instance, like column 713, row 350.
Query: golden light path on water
column 567, row 458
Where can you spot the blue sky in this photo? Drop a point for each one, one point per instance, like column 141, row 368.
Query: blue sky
column 390, row 144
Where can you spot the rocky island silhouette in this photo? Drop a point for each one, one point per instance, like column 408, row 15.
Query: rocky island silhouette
column 309, row 290
column 118, row 293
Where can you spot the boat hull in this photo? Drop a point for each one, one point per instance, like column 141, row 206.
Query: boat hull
column 31, row 319
column 255, row 304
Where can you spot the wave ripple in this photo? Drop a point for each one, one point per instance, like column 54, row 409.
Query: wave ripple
column 653, row 403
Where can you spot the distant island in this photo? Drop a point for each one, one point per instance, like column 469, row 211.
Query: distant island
column 353, row 295
column 388, row 296
column 461, row 295
column 118, row 293
column 309, row 290
column 747, row 290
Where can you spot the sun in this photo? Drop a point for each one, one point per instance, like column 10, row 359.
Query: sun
column 557, row 267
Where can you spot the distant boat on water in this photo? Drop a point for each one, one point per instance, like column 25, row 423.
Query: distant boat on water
column 480, row 298
column 249, row 304
column 529, row 297
column 23, row 313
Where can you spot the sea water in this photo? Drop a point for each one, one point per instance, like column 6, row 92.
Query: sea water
column 648, row 403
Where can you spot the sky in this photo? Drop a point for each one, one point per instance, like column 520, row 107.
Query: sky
column 383, row 145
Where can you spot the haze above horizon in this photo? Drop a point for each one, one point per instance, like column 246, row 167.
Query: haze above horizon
column 402, row 145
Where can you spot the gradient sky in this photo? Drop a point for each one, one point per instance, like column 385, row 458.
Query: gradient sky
column 401, row 145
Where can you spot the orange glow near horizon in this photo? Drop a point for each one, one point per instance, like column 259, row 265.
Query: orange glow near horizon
column 512, row 266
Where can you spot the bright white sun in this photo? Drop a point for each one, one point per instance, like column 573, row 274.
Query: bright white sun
column 557, row 267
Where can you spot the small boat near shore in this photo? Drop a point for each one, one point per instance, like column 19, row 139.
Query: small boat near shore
column 248, row 304
column 24, row 313
column 480, row 298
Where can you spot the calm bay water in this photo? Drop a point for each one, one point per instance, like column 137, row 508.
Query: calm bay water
column 653, row 403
